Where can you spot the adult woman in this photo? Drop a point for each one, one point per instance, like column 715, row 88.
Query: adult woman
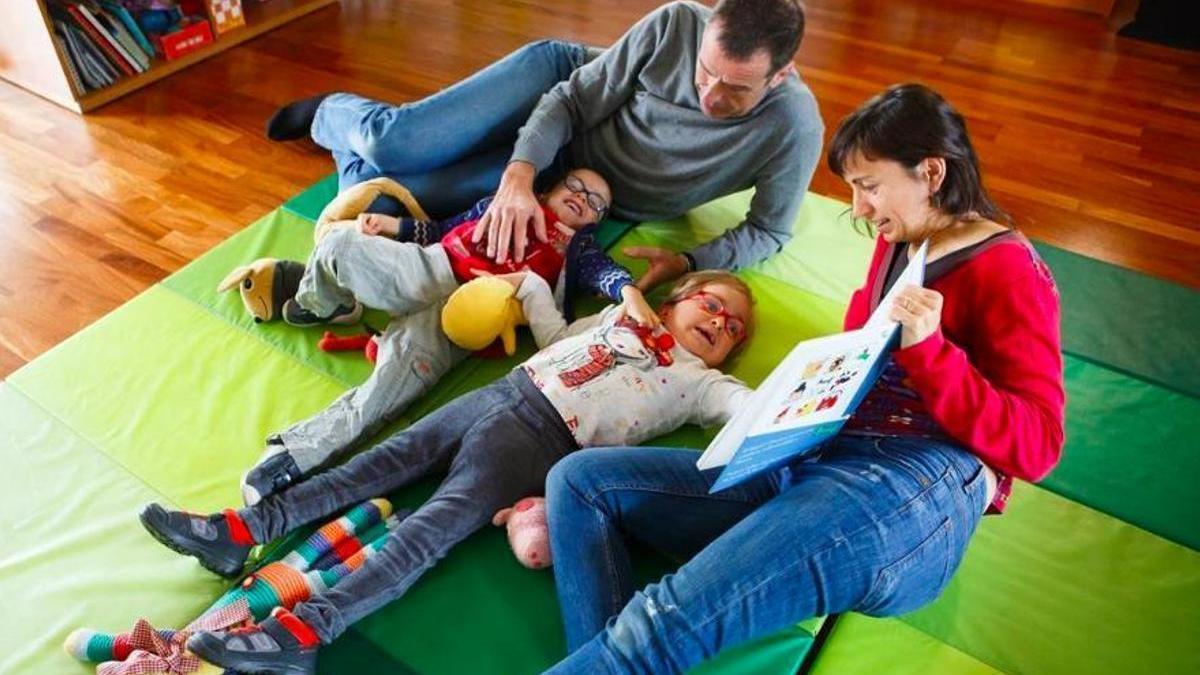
column 879, row 521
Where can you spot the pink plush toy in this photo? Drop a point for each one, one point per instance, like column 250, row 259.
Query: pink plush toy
column 527, row 533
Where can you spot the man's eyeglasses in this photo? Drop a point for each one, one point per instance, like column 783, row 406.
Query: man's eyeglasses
column 594, row 200
column 712, row 305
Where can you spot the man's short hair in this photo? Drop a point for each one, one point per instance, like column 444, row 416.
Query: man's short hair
column 750, row 25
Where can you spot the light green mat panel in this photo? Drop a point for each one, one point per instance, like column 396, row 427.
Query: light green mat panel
column 861, row 645
column 72, row 552
column 178, row 397
column 1053, row 587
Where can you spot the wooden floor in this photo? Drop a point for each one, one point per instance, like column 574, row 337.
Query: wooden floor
column 1088, row 140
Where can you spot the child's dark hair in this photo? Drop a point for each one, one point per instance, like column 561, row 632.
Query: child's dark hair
column 906, row 124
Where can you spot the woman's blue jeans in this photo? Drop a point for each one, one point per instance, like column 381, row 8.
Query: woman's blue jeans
column 874, row 525
column 450, row 148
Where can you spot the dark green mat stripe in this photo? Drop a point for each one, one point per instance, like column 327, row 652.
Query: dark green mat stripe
column 1127, row 320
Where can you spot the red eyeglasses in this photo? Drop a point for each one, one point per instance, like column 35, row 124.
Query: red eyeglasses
column 713, row 306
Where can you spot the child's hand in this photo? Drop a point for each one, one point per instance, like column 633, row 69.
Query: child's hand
column 513, row 278
column 378, row 224
column 634, row 306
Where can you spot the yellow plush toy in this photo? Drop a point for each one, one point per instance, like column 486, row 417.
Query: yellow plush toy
column 482, row 310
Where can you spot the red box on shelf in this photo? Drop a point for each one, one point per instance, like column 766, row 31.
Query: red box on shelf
column 185, row 40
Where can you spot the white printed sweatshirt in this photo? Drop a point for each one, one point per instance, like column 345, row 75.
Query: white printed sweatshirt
column 614, row 386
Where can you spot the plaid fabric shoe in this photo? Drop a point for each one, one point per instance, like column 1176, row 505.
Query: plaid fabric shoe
column 269, row 476
column 296, row 315
column 281, row 645
column 220, row 542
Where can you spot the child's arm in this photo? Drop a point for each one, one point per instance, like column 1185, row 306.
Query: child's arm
column 720, row 397
column 599, row 273
column 426, row 232
column 546, row 322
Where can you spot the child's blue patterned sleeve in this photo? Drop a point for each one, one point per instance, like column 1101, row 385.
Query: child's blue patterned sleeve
column 598, row 272
column 426, row 232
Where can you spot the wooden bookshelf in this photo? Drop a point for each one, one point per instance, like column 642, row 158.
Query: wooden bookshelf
column 30, row 59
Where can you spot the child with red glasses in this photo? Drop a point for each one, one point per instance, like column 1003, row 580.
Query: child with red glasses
column 408, row 268
column 602, row 380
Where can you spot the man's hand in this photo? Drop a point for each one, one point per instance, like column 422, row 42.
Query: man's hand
column 508, row 216
column 634, row 306
column 664, row 265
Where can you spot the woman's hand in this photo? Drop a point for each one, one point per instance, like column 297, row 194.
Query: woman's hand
column 919, row 312
column 634, row 306
column 508, row 217
column 664, row 265
column 378, row 224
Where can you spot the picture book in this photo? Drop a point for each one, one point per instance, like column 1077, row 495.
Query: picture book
column 809, row 396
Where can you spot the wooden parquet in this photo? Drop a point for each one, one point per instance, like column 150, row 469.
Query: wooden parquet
column 1090, row 141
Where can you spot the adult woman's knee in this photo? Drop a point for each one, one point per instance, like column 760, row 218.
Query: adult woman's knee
column 568, row 479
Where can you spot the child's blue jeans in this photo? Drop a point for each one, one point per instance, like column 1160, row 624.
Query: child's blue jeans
column 497, row 444
column 450, row 148
column 875, row 525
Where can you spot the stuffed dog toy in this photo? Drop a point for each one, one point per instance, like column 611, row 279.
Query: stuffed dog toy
column 265, row 285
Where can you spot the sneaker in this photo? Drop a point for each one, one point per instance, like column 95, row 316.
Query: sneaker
column 296, row 315
column 220, row 541
column 281, row 644
column 269, row 476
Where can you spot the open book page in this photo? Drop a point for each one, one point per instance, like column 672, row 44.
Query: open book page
column 809, row 395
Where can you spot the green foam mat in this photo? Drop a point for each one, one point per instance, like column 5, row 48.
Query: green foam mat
column 1130, row 451
column 73, row 553
column 861, row 645
column 178, row 397
column 1127, row 320
column 1053, row 586
column 171, row 396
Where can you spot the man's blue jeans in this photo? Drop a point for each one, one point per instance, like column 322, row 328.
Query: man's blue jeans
column 449, row 149
column 875, row 525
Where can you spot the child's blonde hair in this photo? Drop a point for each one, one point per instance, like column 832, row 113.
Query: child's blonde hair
column 692, row 282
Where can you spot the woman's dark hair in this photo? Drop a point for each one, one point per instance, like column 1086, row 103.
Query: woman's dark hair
column 906, row 124
column 750, row 25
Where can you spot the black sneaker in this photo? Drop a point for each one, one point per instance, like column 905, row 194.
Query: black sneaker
column 208, row 538
column 281, row 644
column 296, row 315
column 269, row 476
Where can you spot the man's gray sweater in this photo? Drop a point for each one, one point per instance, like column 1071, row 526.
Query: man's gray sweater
column 633, row 114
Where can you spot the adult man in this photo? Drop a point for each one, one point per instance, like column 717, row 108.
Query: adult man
column 689, row 105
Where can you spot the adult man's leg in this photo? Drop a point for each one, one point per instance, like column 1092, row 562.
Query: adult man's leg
column 479, row 113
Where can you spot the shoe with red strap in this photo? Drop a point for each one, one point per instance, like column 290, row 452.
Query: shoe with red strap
column 221, row 541
column 282, row 644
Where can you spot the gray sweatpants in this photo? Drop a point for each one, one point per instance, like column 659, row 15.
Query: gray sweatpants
column 411, row 283
column 497, row 444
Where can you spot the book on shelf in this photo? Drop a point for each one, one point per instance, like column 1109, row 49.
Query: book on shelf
column 131, row 26
column 104, row 30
